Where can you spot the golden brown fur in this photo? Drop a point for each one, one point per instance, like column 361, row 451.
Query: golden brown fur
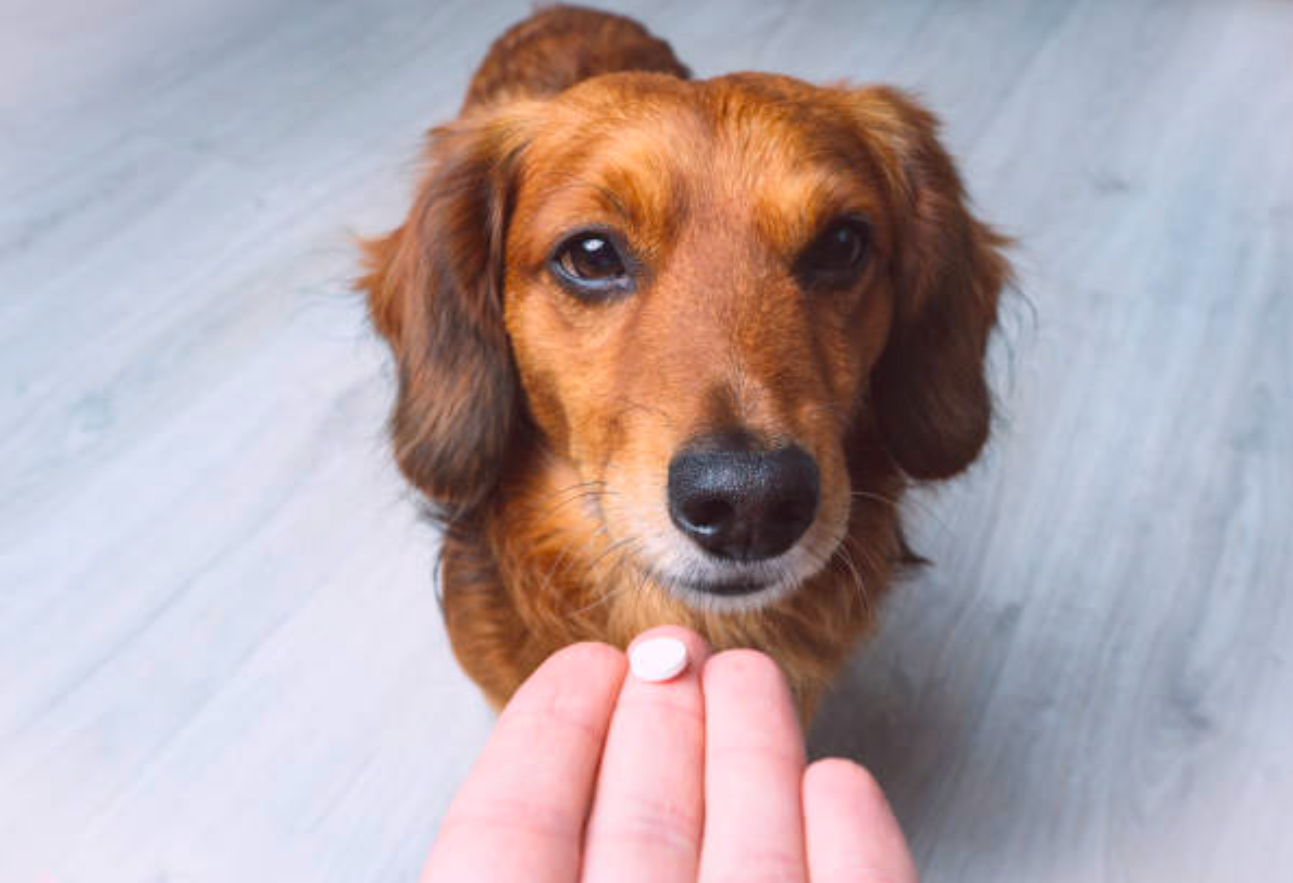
column 541, row 426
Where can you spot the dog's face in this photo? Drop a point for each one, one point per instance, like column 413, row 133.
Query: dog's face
column 697, row 296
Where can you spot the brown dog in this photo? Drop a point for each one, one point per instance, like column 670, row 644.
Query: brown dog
column 670, row 351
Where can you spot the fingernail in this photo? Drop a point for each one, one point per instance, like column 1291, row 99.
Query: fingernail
column 658, row 659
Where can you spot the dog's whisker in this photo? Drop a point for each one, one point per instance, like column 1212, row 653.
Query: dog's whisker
column 872, row 559
column 592, row 565
column 560, row 503
column 924, row 508
column 564, row 558
column 559, row 499
column 599, row 496
column 601, row 531
column 842, row 552
column 578, row 487
column 605, row 598
column 619, row 589
column 872, row 495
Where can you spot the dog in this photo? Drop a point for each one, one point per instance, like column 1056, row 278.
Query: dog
column 671, row 350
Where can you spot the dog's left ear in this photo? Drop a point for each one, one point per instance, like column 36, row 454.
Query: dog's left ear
column 929, row 388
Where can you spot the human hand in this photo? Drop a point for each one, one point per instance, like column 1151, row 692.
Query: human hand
column 592, row 774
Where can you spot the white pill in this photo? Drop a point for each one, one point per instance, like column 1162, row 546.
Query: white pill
column 658, row 659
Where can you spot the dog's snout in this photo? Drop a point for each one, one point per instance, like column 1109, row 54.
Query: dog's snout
column 740, row 504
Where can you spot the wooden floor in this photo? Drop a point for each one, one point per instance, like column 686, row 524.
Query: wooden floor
column 220, row 655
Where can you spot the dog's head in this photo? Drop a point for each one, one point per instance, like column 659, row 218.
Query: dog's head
column 702, row 296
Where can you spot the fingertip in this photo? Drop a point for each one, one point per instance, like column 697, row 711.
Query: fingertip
column 852, row 833
column 526, row 799
column 648, row 809
column 745, row 684
column 594, row 655
column 597, row 670
column 745, row 671
column 754, row 767
column 587, row 659
column 839, row 779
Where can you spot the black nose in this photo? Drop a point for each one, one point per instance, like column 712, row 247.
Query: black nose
column 742, row 504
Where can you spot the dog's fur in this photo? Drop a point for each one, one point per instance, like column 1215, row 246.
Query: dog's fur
column 541, row 426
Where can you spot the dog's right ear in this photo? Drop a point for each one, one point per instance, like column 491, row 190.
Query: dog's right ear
column 434, row 291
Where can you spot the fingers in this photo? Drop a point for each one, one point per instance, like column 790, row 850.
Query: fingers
column 754, row 763
column 851, row 833
column 520, row 815
column 648, row 806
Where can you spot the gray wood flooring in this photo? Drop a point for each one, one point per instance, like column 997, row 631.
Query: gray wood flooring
column 220, row 655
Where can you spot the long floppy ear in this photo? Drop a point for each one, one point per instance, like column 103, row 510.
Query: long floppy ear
column 929, row 388
column 435, row 293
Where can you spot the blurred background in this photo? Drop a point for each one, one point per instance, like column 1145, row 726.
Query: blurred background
column 221, row 656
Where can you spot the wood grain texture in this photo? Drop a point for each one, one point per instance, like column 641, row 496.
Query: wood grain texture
column 220, row 652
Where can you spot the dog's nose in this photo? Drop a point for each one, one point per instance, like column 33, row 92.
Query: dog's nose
column 746, row 505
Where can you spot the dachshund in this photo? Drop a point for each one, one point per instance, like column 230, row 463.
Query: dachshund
column 671, row 350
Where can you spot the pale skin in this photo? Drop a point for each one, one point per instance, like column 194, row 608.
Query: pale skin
column 594, row 775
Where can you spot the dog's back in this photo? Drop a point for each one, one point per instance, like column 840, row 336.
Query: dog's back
column 562, row 45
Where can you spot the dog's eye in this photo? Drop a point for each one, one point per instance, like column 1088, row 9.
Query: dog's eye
column 591, row 264
column 836, row 256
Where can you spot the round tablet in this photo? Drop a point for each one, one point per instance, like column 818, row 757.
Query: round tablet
column 658, row 659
